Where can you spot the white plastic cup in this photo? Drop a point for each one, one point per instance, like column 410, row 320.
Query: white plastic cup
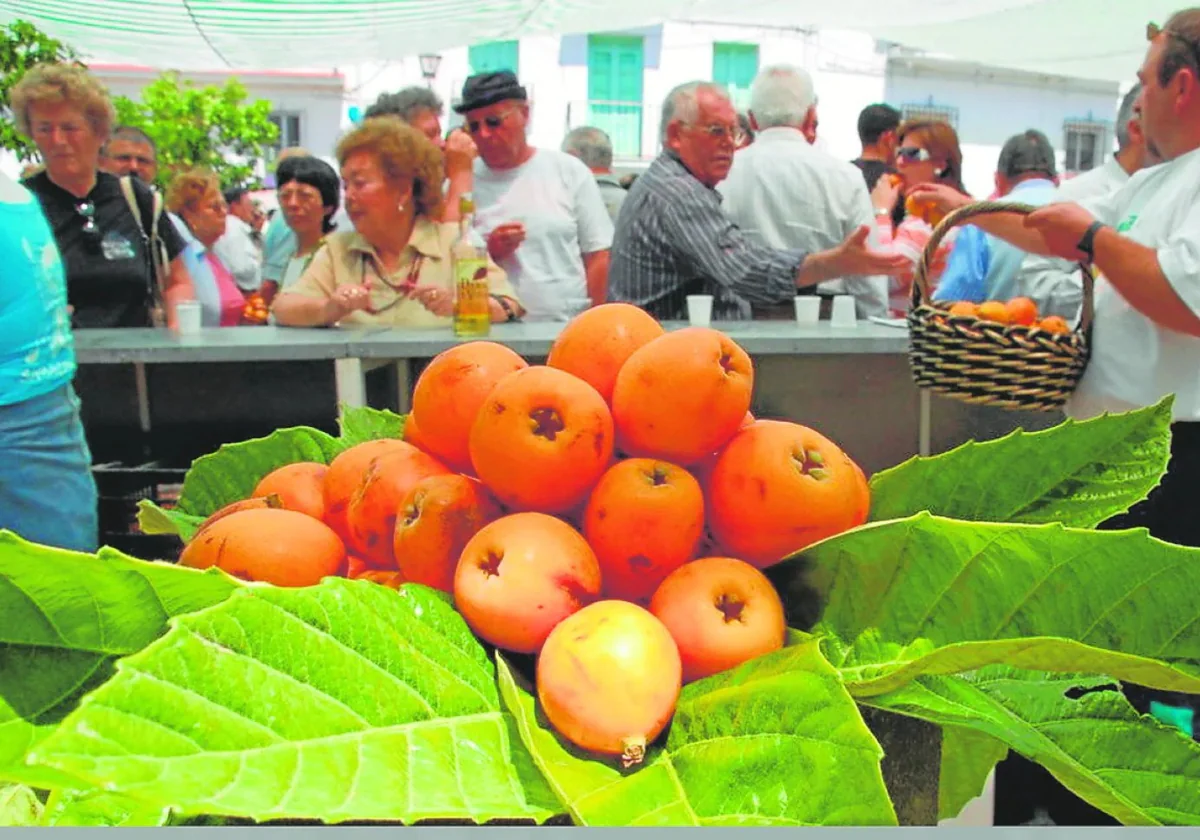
column 187, row 314
column 700, row 310
column 843, row 313
column 808, row 309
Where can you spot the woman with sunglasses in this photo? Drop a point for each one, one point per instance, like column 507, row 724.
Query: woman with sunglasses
column 928, row 153
column 111, row 279
column 47, row 494
column 395, row 267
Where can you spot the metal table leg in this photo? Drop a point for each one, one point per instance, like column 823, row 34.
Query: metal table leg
column 350, row 382
column 924, row 424
column 143, row 395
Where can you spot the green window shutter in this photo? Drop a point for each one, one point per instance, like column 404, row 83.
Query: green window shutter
column 615, row 69
column 495, row 55
column 735, row 66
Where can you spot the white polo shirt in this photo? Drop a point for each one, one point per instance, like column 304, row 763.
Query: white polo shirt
column 1136, row 362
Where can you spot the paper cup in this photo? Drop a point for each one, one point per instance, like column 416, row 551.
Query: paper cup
column 843, row 313
column 187, row 312
column 700, row 310
column 808, row 309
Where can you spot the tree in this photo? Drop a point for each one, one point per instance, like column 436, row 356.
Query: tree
column 212, row 127
column 22, row 45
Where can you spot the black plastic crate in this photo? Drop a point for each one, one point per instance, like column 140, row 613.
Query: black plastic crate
column 120, row 487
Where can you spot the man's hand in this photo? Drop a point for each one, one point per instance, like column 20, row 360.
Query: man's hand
column 854, row 257
column 459, row 154
column 504, row 239
column 941, row 198
column 1061, row 226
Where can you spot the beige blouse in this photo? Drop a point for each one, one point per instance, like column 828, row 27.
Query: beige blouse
column 348, row 259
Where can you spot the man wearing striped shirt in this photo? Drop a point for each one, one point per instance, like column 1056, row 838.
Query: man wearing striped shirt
column 673, row 239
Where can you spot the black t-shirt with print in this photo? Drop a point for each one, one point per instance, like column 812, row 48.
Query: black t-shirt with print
column 108, row 274
column 872, row 170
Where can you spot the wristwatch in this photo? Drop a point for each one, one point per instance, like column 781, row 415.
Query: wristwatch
column 1088, row 243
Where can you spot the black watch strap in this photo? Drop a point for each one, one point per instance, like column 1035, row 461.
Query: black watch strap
column 1088, row 243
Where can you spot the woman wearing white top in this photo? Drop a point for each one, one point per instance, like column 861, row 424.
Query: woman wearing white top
column 309, row 195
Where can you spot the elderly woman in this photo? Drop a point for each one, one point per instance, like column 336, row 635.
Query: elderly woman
column 112, row 278
column 47, row 493
column 309, row 195
column 195, row 198
column 395, row 268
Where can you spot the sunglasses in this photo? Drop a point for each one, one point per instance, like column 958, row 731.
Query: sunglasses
column 86, row 210
column 913, row 154
column 1153, row 30
column 493, row 122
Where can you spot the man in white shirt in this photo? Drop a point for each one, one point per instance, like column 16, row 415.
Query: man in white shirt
column 1055, row 284
column 237, row 248
column 539, row 209
column 785, row 193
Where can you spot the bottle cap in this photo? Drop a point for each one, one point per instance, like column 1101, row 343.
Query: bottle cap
column 466, row 205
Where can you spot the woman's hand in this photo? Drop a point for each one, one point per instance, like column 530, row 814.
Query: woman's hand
column 940, row 198
column 347, row 299
column 886, row 192
column 437, row 300
column 459, row 154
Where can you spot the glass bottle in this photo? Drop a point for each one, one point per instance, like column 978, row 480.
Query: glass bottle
column 472, row 316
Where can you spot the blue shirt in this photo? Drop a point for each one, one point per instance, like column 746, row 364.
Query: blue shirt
column 279, row 246
column 37, row 352
column 981, row 266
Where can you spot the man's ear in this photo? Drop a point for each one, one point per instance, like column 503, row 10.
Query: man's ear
column 753, row 122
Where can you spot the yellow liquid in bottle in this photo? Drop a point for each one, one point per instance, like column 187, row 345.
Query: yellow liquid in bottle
column 472, row 318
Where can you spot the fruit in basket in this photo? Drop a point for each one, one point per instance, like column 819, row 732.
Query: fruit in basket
column 682, row 396
column 345, row 474
column 450, row 391
column 435, row 522
column 242, row 504
column 270, row 545
column 995, row 311
column 542, row 439
column 520, row 576
column 721, row 612
column 608, row 679
column 376, row 501
column 1022, row 310
column 964, row 309
column 779, row 487
column 1054, row 324
column 300, row 487
column 644, row 520
column 596, row 343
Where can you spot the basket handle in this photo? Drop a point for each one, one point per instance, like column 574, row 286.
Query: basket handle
column 983, row 208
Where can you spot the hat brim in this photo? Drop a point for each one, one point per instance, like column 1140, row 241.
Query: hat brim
column 517, row 94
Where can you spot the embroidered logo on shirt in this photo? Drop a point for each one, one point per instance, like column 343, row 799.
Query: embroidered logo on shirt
column 117, row 247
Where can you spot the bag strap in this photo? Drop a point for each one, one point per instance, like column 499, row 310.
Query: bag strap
column 157, row 249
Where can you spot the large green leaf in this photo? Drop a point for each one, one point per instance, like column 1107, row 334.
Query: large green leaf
column 776, row 741
column 233, row 471
column 66, row 618
column 1132, row 767
column 968, row 756
column 101, row 808
column 359, row 425
column 344, row 701
column 927, row 595
column 1076, row 473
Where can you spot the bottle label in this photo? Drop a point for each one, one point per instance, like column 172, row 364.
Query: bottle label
column 471, row 286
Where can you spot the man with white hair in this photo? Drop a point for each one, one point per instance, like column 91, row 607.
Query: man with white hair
column 592, row 146
column 784, row 192
column 673, row 239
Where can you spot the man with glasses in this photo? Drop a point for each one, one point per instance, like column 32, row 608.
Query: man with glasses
column 673, row 238
column 539, row 209
column 1143, row 243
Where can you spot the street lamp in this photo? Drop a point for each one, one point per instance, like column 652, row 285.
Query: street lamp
column 429, row 68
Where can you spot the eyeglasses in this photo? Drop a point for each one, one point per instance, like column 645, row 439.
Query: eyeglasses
column 1153, row 30
column 86, row 210
column 493, row 121
column 913, row 154
column 719, row 132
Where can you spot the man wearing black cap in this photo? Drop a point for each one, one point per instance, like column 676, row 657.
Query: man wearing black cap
column 983, row 267
column 539, row 209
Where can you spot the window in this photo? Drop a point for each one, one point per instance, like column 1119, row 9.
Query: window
column 615, row 70
column 289, row 129
column 930, row 111
column 495, row 55
column 1084, row 144
column 734, row 67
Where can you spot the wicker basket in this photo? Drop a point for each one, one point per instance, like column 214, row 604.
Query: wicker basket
column 984, row 362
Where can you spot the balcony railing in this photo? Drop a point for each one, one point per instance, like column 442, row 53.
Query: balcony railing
column 631, row 126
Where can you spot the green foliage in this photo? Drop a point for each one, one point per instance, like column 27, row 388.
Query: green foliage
column 22, row 45
column 212, row 127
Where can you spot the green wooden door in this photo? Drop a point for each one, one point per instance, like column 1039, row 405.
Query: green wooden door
column 495, row 55
column 734, row 67
column 615, row 64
